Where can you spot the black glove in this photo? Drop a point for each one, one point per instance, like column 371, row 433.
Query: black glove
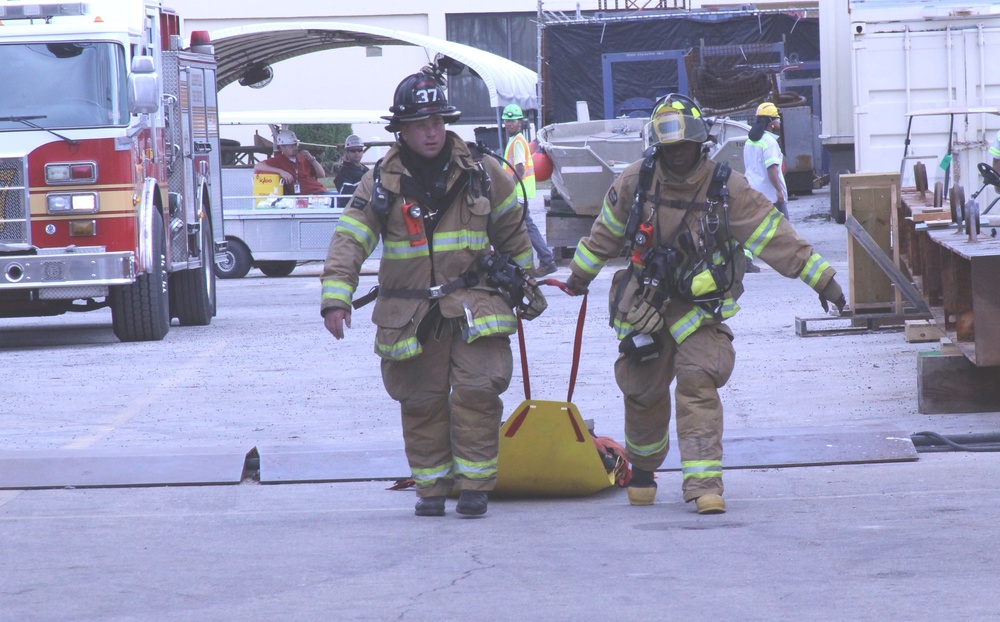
column 833, row 293
column 576, row 285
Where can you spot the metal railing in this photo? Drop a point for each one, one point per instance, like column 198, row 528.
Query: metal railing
column 641, row 5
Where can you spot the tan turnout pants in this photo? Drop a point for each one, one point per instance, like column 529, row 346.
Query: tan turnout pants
column 450, row 405
column 701, row 364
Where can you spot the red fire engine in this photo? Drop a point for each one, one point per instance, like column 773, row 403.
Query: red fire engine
column 110, row 188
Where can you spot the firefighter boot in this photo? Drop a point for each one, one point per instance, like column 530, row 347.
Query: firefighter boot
column 711, row 504
column 430, row 506
column 642, row 488
column 471, row 503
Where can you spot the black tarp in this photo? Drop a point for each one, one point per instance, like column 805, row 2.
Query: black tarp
column 573, row 53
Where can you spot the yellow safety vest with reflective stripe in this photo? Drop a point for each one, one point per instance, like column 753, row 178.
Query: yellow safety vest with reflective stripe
column 517, row 145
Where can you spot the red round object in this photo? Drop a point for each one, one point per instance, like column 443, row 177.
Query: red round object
column 543, row 166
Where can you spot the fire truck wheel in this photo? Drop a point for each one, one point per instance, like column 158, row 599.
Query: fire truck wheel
column 237, row 261
column 193, row 291
column 276, row 268
column 141, row 311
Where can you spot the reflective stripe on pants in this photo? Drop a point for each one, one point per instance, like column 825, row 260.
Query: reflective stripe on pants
column 702, row 364
column 450, row 406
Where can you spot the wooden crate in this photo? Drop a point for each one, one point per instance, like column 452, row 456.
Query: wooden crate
column 872, row 199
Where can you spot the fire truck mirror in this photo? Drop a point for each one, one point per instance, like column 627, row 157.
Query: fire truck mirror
column 142, row 86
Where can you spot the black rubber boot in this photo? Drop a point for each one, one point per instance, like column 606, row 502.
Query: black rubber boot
column 471, row 503
column 430, row 506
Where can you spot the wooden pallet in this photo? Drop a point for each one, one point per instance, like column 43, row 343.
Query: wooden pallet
column 853, row 324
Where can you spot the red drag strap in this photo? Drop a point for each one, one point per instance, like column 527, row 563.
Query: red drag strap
column 578, row 341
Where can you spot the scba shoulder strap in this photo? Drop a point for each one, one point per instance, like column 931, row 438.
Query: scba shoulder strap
column 641, row 192
column 381, row 198
column 716, row 195
column 480, row 185
column 478, row 151
column 645, row 182
column 718, row 188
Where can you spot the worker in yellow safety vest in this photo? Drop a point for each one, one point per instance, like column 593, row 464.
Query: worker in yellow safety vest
column 518, row 159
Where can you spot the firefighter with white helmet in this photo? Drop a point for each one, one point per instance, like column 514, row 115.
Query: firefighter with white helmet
column 762, row 157
column 685, row 220
column 445, row 304
column 299, row 170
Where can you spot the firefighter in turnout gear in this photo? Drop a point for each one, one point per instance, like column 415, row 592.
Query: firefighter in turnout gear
column 446, row 301
column 686, row 220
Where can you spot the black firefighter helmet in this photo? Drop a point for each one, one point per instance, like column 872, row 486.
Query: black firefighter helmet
column 417, row 97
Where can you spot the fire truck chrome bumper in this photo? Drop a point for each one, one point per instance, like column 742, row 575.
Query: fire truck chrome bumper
column 66, row 270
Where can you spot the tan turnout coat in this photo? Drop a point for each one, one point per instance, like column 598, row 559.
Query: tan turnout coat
column 413, row 262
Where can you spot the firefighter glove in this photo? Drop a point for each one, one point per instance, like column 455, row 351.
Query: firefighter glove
column 645, row 316
column 576, row 285
column 833, row 293
column 536, row 302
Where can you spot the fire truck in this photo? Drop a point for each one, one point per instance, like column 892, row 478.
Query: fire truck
column 110, row 182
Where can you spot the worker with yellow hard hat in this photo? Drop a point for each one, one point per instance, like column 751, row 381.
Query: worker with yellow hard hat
column 762, row 157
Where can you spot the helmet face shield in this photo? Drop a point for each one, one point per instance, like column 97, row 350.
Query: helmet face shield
column 676, row 119
column 669, row 128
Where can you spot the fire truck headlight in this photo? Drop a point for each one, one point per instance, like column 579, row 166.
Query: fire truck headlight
column 71, row 203
column 71, row 173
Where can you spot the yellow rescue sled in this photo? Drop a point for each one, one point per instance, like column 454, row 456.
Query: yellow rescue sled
column 546, row 449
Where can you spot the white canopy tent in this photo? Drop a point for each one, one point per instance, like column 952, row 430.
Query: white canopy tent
column 309, row 115
column 238, row 48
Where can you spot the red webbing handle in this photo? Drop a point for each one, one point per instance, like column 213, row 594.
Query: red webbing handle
column 576, row 348
column 524, row 357
column 577, row 343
